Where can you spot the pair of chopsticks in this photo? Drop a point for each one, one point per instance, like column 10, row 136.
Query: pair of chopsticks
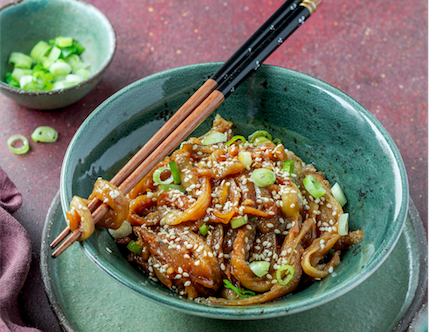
column 289, row 17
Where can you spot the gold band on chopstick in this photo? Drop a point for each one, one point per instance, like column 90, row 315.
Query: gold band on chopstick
column 310, row 5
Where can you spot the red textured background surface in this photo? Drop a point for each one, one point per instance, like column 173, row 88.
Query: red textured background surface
column 375, row 51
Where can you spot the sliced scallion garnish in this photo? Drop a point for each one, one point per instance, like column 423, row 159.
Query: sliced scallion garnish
column 260, row 268
column 26, row 82
column 260, row 133
column 313, row 186
column 22, row 148
column 20, row 60
column 60, row 68
column 289, row 271
column 39, row 51
column 214, row 138
column 263, row 177
column 63, row 41
column 54, row 54
column 204, row 229
column 157, row 176
column 239, row 221
column 338, row 194
column 44, row 134
column 246, row 158
column 241, row 293
column 236, row 138
column 288, row 166
column 52, row 63
column 260, row 140
column 167, row 187
column 134, row 247
column 174, row 172
column 17, row 73
column 343, row 224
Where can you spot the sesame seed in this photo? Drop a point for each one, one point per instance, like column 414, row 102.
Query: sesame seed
column 188, row 283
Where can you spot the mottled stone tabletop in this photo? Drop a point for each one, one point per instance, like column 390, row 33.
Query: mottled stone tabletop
column 375, row 51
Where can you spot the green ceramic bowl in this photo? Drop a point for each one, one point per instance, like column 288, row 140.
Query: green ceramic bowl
column 26, row 22
column 315, row 120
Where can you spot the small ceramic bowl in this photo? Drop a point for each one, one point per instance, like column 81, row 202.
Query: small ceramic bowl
column 318, row 122
column 26, row 22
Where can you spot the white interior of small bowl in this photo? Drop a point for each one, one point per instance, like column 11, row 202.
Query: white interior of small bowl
column 319, row 123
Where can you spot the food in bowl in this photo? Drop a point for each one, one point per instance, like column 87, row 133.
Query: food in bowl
column 227, row 222
column 51, row 65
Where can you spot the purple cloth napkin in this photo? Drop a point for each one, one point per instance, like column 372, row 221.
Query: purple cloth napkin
column 15, row 257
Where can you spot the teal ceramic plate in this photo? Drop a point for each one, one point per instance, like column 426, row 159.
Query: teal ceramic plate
column 315, row 120
column 84, row 298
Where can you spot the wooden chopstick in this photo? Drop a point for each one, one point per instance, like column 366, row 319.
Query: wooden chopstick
column 218, row 77
column 257, row 48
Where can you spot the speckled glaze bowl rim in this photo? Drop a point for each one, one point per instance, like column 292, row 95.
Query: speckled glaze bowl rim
column 274, row 310
column 94, row 77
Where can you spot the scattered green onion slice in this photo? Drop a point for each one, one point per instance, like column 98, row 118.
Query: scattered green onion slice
column 157, row 176
column 84, row 73
column 134, row 247
column 261, row 140
column 26, row 82
column 214, row 138
column 338, row 194
column 288, row 166
column 204, row 229
column 290, row 272
column 52, row 63
column 263, row 177
column 21, row 149
column 60, row 68
column 260, row 133
column 236, row 138
column 54, row 54
column 167, row 187
column 44, row 134
column 20, row 60
column 40, row 50
column 239, row 221
column 343, row 224
column 241, row 293
column 246, row 158
column 313, row 186
column 63, row 41
column 62, row 85
column 277, row 141
column 260, row 268
column 11, row 80
column 175, row 172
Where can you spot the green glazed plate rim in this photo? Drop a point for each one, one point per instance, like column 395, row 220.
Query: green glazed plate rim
column 274, row 310
column 413, row 310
